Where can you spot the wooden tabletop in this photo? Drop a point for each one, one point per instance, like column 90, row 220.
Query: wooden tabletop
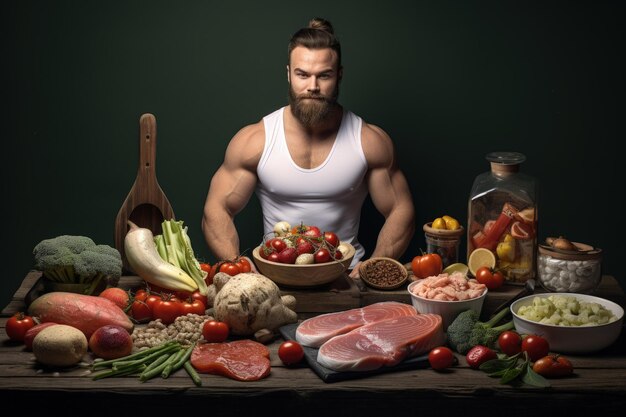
column 598, row 385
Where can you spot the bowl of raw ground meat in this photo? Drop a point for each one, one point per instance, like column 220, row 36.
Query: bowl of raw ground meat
column 447, row 295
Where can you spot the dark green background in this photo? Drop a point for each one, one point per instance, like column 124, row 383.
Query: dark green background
column 449, row 81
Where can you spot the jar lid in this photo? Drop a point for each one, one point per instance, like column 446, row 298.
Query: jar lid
column 584, row 252
column 506, row 158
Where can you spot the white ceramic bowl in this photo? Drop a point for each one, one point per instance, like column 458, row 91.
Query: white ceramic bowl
column 571, row 339
column 448, row 310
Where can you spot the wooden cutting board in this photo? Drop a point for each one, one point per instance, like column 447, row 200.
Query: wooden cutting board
column 146, row 204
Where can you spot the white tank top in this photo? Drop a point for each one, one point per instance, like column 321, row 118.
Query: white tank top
column 328, row 196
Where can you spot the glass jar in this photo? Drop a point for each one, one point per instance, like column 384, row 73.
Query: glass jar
column 443, row 242
column 570, row 271
column 503, row 216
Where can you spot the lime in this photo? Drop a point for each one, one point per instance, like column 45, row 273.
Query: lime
column 480, row 257
column 457, row 267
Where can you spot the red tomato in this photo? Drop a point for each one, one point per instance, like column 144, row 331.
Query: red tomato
column 288, row 256
column 215, row 331
column 197, row 296
column 306, row 230
column 321, row 256
column 332, row 239
column 273, row 257
column 426, row 265
column 167, row 310
column 536, row 346
column 193, row 307
column 490, row 278
column 290, row 352
column 140, row 295
column 304, row 247
column 230, row 268
column 205, row 267
column 244, row 265
column 553, row 366
column 510, row 342
column 18, row 325
column 151, row 300
column 277, row 244
column 140, row 311
column 478, row 355
column 441, row 358
column 338, row 255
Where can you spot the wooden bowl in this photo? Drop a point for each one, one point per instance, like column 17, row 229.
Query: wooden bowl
column 311, row 275
column 365, row 272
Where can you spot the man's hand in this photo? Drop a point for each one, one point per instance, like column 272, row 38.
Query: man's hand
column 355, row 272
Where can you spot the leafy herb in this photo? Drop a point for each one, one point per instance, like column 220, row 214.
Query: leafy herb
column 511, row 371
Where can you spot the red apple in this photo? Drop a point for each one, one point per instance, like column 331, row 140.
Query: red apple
column 111, row 342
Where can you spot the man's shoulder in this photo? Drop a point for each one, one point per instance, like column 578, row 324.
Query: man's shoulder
column 376, row 143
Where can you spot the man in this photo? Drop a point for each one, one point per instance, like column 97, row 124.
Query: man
column 311, row 162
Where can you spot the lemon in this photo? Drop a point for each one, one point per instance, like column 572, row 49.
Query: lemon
column 457, row 267
column 480, row 257
column 439, row 223
column 451, row 222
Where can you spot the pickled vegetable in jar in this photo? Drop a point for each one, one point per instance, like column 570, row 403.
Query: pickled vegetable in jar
column 502, row 216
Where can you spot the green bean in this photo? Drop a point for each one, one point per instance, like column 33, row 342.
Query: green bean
column 192, row 373
column 158, row 369
column 119, row 372
column 184, row 358
column 170, row 365
column 137, row 355
column 157, row 362
column 148, row 358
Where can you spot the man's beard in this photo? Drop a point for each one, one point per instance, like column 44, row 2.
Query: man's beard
column 312, row 109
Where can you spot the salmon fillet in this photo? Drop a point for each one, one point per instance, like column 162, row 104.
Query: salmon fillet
column 243, row 360
column 383, row 343
column 317, row 330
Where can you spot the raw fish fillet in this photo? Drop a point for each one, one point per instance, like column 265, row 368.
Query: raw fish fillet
column 317, row 330
column 243, row 360
column 384, row 343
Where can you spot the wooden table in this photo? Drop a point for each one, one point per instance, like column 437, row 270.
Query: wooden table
column 598, row 386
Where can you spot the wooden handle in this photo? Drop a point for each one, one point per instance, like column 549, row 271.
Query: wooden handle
column 147, row 147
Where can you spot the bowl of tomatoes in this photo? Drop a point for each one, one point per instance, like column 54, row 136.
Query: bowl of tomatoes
column 303, row 256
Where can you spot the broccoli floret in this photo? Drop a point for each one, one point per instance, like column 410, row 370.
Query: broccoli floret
column 70, row 258
column 466, row 331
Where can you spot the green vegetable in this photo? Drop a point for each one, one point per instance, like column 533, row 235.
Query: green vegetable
column 192, row 373
column 174, row 246
column 77, row 259
column 510, row 371
column 466, row 331
column 158, row 360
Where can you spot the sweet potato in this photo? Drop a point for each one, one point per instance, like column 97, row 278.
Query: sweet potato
column 84, row 312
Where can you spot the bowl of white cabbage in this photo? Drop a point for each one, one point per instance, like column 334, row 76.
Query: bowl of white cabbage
column 571, row 323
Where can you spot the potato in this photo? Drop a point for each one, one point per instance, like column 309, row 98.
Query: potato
column 60, row 345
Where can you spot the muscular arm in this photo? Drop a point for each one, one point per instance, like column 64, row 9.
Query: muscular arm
column 390, row 194
column 231, row 188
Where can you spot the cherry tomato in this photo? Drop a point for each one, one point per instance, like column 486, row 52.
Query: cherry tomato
column 290, row 352
column 426, row 265
column 277, row 244
column 215, row 331
column 536, row 346
column 273, row 257
column 338, row 254
column 441, row 358
column 244, row 265
column 490, row 278
column 192, row 307
column 212, row 272
column 306, row 230
column 18, row 325
column 230, row 268
column 478, row 355
column 167, row 310
column 331, row 238
column 197, row 296
column 321, row 256
column 553, row 366
column 205, row 267
column 510, row 342
column 140, row 295
column 151, row 300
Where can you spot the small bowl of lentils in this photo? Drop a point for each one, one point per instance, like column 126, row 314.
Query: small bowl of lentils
column 383, row 273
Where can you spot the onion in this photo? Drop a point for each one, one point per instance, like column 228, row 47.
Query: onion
column 563, row 244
